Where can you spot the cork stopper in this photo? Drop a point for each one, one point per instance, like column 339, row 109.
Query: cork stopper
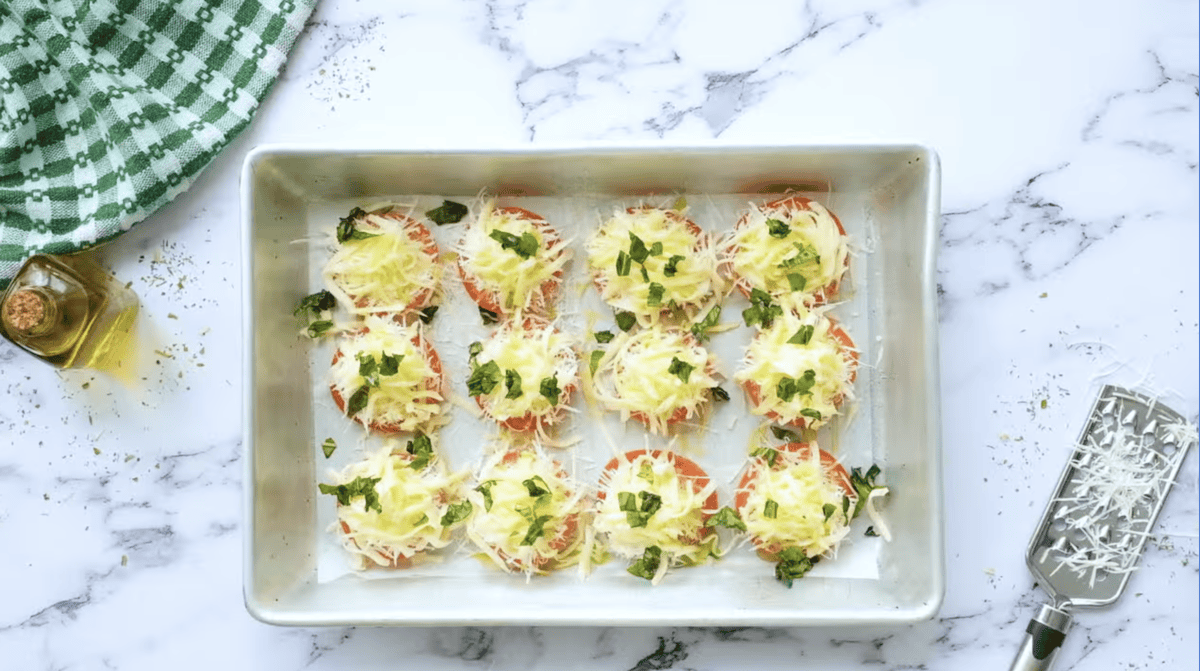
column 24, row 310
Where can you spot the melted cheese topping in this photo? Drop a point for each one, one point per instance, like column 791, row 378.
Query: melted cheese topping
column 413, row 504
column 634, row 375
column 760, row 260
column 801, row 488
column 695, row 278
column 677, row 528
column 770, row 358
column 499, row 530
column 516, row 281
column 385, row 273
column 405, row 399
column 535, row 354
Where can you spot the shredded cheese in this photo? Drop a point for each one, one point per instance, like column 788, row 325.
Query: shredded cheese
column 535, row 351
column 764, row 261
column 506, row 512
column 413, row 503
column 388, row 272
column 677, row 527
column 634, row 376
column 519, row 283
column 800, row 487
column 692, row 277
column 408, row 400
column 771, row 357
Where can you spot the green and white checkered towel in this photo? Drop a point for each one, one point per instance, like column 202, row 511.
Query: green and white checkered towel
column 111, row 108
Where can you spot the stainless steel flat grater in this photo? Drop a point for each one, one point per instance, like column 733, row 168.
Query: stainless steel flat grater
column 1092, row 533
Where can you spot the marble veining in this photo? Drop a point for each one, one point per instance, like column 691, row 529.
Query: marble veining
column 1069, row 141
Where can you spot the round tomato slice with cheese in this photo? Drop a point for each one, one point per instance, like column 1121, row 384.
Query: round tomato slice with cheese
column 795, row 496
column 511, row 260
column 523, row 376
column 792, row 248
column 659, row 376
column 397, row 503
column 800, row 371
column 386, row 263
column 388, row 377
column 645, row 260
column 656, row 499
column 527, row 513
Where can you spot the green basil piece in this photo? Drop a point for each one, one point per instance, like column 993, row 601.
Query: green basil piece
column 389, row 364
column 771, row 509
column 647, row 565
column 549, row 389
column 603, row 337
column 483, row 379
column 793, row 565
column 485, row 488
column 719, row 395
column 360, row 486
column 726, row 517
column 488, row 316
column 316, row 303
column 701, row 329
column 671, row 267
column 457, row 512
column 537, row 529
column 449, row 212
column 524, row 246
column 680, row 369
column 637, row 249
column 624, row 264
column 654, row 295
column 426, row 315
column 512, row 382
column 357, row 401
column 802, row 336
column 421, row 447
column 318, row 329
column 597, row 355
column 777, row 229
column 328, row 447
column 625, row 320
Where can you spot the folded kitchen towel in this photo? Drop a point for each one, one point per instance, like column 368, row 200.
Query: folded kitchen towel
column 111, row 108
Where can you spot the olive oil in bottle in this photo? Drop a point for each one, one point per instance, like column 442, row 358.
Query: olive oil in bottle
column 68, row 312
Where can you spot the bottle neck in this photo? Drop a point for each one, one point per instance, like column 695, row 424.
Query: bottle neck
column 31, row 311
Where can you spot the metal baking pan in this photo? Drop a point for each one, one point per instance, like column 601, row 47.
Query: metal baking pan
column 887, row 196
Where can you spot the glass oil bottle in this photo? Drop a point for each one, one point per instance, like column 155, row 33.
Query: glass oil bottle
column 69, row 312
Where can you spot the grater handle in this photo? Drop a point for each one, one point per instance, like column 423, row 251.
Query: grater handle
column 1043, row 640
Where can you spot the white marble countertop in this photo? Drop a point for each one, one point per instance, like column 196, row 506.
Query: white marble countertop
column 1068, row 258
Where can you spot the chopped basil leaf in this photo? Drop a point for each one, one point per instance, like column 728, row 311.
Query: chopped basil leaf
column 680, row 369
column 426, row 315
column 597, row 355
column 718, row 394
column 846, row 507
column 512, row 382
column 638, row 515
column 603, row 337
column 804, row 383
column 485, row 488
column 864, row 484
column 627, row 502
column 787, row 389
column 360, row 486
column 804, row 254
column 421, row 447
column 524, row 246
column 671, row 267
column 474, row 349
column 777, row 229
column 761, row 310
column 802, row 336
column 346, row 229
column 483, row 379
column 358, row 401
column 656, row 249
column 316, row 303
column 766, row 454
column 870, row 532
column 646, row 472
column 645, row 273
column 488, row 316
column 637, row 249
column 829, row 509
column 625, row 320
column 318, row 329
column 654, row 295
column 793, row 564
column 701, row 328
column 647, row 565
column 550, row 390
column 781, row 433
column 726, row 517
column 759, row 296
column 680, row 204
column 537, row 529
column 449, row 212
column 624, row 263
column 368, row 369
column 771, row 509
column 389, row 364
column 810, row 413
column 457, row 512
column 328, row 447
column 536, row 486
column 796, row 281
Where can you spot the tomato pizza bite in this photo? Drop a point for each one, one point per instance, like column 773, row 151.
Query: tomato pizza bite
column 387, row 377
column 524, row 374
column 511, row 260
column 792, row 248
column 527, row 512
column 648, row 260
column 800, row 370
column 386, row 262
column 396, row 503
column 653, row 507
column 658, row 375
